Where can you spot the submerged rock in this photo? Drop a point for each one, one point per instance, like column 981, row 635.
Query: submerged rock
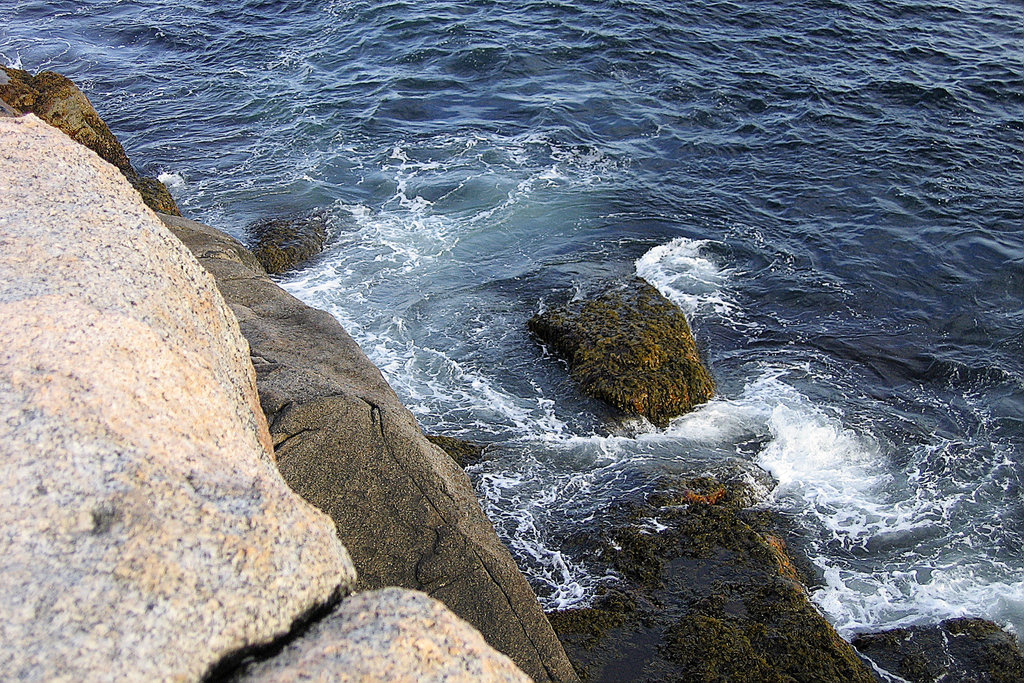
column 389, row 635
column 708, row 593
column 632, row 348
column 966, row 649
column 404, row 509
column 465, row 453
column 147, row 533
column 284, row 243
column 57, row 100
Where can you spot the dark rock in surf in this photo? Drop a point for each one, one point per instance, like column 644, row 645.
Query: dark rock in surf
column 405, row 511
column 709, row 593
column 284, row 243
column 966, row 649
column 465, row 453
column 156, row 195
column 630, row 347
column 57, row 100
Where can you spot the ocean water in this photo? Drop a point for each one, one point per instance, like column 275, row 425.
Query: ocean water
column 834, row 193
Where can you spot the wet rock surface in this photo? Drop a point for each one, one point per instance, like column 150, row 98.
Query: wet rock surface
column 631, row 347
column 147, row 534
column 284, row 243
column 57, row 100
column 966, row 649
column 708, row 593
column 404, row 509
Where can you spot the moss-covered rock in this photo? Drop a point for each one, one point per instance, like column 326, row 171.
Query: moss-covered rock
column 286, row 242
column 465, row 453
column 965, row 649
column 57, row 100
column 734, row 658
column 156, row 195
column 630, row 347
column 714, row 596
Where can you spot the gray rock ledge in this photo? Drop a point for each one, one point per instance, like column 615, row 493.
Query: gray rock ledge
column 404, row 509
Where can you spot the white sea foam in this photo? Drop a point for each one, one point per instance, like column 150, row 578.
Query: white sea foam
column 690, row 279
column 882, row 541
column 172, row 180
column 839, row 477
column 521, row 496
column 884, row 546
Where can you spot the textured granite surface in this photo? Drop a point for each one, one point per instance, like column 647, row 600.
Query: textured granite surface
column 145, row 531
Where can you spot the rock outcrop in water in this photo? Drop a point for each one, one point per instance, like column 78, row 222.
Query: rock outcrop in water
column 630, row 347
column 404, row 509
column 709, row 593
column 966, row 649
column 57, row 100
column 147, row 534
column 284, row 243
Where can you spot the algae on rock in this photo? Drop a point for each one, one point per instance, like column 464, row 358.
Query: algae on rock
column 709, row 596
column 630, row 347
column 284, row 243
column 57, row 100
column 962, row 649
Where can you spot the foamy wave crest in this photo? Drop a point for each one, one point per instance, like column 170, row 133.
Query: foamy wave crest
column 172, row 180
column 858, row 601
column 843, row 485
column 690, row 279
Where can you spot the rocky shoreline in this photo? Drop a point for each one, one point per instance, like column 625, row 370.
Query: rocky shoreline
column 132, row 377
column 96, row 440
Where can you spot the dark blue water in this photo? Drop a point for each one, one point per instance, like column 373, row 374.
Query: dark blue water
column 833, row 191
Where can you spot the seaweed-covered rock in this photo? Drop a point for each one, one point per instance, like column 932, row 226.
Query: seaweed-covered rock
column 57, row 100
column 709, row 593
column 463, row 452
column 965, row 649
column 284, row 243
column 630, row 347
column 156, row 195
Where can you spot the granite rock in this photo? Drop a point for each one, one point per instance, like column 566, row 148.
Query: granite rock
column 389, row 635
column 146, row 533
column 405, row 510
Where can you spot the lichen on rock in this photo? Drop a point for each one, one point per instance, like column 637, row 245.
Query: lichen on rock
column 631, row 347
